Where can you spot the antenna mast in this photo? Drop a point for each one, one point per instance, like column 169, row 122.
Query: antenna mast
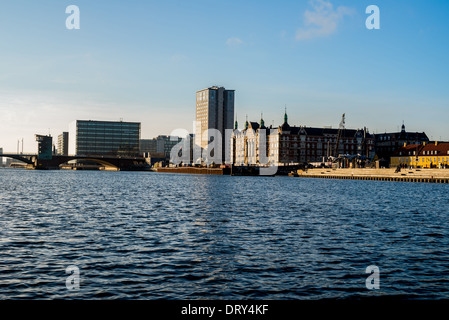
column 341, row 127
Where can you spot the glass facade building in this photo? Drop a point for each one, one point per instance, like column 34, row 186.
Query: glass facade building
column 113, row 138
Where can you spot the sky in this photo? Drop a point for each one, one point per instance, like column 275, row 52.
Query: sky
column 144, row 60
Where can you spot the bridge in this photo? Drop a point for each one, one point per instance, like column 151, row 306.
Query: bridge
column 118, row 163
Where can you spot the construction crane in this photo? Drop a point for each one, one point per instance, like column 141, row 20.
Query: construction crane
column 341, row 128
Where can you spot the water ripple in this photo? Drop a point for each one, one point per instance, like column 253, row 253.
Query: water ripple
column 140, row 235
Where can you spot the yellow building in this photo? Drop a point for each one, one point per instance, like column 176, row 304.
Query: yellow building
column 432, row 155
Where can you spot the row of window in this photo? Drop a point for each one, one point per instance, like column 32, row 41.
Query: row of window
column 106, row 124
column 109, row 137
column 426, row 152
column 425, row 159
column 432, row 152
column 123, row 129
column 108, row 140
column 108, row 131
column 84, row 149
column 107, row 145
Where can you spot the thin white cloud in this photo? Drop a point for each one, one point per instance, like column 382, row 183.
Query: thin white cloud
column 234, row 42
column 322, row 20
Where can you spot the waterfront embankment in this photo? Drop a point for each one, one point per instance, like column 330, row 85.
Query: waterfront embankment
column 406, row 175
column 195, row 170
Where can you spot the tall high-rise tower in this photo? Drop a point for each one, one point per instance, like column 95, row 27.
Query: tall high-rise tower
column 214, row 110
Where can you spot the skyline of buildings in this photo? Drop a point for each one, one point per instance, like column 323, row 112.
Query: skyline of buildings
column 284, row 144
column 215, row 109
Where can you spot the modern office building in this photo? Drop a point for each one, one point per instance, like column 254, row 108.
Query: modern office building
column 214, row 110
column 89, row 137
column 63, row 144
column 148, row 145
column 44, row 146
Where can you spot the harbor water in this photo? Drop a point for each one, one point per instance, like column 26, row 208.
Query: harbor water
column 147, row 235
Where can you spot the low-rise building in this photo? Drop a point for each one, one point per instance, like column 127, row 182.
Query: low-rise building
column 427, row 155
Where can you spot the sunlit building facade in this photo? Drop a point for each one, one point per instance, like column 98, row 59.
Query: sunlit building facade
column 214, row 110
column 63, row 144
column 291, row 145
column 427, row 155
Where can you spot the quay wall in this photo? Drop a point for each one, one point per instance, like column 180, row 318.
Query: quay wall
column 405, row 175
column 193, row 170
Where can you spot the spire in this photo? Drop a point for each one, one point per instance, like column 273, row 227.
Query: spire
column 246, row 123
column 285, row 115
column 262, row 123
column 403, row 126
column 285, row 126
column 236, row 124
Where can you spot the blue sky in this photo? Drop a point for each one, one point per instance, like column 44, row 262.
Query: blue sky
column 144, row 60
